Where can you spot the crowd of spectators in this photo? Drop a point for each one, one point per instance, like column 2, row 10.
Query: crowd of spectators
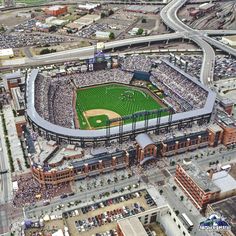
column 30, row 191
column 53, row 100
column 137, row 63
column 101, row 77
column 17, row 40
column 175, row 85
column 54, row 96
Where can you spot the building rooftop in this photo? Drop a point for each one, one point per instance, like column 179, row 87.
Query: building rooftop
column 226, row 101
column 230, row 37
column 143, row 140
column 224, row 181
column 6, row 52
column 55, row 8
column 132, row 227
column 215, row 128
column 18, row 99
column 206, row 6
column 13, row 75
column 64, row 152
column 200, row 177
column 88, row 6
column 225, row 119
column 227, row 208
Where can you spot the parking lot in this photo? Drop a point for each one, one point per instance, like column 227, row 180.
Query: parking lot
column 99, row 219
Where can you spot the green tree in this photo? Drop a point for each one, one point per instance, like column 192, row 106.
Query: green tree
column 46, row 51
column 103, row 15
column 144, row 20
column 53, row 28
column 177, row 212
column 111, row 12
column 2, row 29
column 161, row 191
column 172, row 163
column 174, row 188
column 111, row 35
column 140, row 31
column 181, row 198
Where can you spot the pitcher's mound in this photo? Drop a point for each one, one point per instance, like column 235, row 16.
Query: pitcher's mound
column 98, row 121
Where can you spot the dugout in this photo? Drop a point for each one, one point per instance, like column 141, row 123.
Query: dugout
column 141, row 75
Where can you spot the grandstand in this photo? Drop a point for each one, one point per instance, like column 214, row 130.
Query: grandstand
column 51, row 101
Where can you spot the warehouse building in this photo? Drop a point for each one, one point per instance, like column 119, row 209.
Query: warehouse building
column 87, row 20
column 102, row 35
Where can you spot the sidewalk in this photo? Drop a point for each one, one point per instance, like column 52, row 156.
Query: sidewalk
column 7, row 166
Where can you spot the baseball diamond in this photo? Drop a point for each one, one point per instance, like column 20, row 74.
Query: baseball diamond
column 95, row 105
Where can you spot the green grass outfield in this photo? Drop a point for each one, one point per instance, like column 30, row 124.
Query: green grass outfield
column 121, row 99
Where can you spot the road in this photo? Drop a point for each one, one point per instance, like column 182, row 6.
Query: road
column 5, row 183
column 201, row 38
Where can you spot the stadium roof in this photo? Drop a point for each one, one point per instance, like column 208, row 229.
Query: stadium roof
column 143, row 140
column 90, row 134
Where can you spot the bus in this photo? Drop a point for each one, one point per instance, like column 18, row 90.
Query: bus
column 187, row 221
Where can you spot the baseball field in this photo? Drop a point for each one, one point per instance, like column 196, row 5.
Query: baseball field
column 94, row 105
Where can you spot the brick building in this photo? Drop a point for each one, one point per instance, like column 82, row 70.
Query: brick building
column 228, row 124
column 227, row 105
column 12, row 80
column 183, row 143
column 55, row 10
column 145, row 148
column 196, row 184
column 55, row 173
column 215, row 135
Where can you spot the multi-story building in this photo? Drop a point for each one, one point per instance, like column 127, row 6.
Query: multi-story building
column 12, row 80
column 72, row 165
column 196, row 184
column 228, row 124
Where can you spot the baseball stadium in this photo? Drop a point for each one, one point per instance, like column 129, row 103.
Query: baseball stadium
column 100, row 101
